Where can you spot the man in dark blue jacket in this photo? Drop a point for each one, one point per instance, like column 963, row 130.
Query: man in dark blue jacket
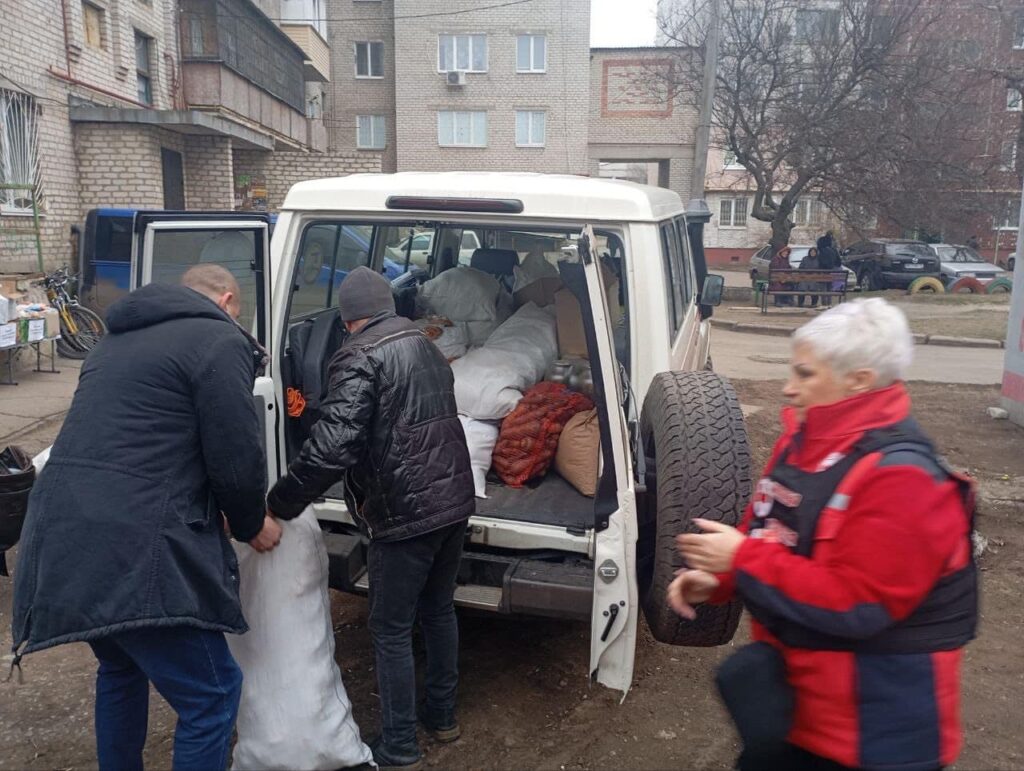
column 124, row 543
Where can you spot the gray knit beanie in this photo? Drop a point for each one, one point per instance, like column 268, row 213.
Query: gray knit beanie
column 363, row 294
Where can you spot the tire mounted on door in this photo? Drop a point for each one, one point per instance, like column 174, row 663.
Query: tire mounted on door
column 698, row 466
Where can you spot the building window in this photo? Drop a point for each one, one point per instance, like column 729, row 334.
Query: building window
column 880, row 30
column 531, row 53
column 730, row 163
column 733, row 213
column 370, row 134
column 814, row 25
column 369, row 60
column 1013, row 100
column 530, row 128
column 461, row 129
column 1018, row 30
column 92, row 19
column 462, row 52
column 1009, row 218
column 1008, row 156
column 809, row 213
column 143, row 59
column 19, row 153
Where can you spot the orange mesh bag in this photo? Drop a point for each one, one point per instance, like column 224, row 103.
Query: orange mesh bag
column 529, row 435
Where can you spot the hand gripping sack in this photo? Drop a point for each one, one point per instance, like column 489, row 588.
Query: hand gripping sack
column 294, row 711
column 529, row 435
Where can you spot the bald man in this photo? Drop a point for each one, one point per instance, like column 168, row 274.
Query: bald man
column 124, row 544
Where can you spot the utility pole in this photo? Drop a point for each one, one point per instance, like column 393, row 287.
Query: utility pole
column 703, row 138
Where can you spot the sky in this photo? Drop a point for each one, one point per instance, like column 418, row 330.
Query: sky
column 622, row 23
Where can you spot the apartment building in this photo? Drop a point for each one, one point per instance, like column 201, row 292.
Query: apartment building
column 462, row 85
column 199, row 104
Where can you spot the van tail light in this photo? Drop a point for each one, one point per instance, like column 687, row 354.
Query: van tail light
column 472, row 205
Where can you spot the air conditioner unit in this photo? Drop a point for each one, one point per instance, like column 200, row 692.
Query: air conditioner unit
column 456, row 78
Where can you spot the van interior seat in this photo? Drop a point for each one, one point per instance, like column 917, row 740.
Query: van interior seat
column 500, row 263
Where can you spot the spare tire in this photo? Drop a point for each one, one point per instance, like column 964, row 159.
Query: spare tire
column 999, row 285
column 968, row 285
column 698, row 465
column 926, row 284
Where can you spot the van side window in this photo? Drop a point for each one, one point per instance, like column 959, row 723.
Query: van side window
column 672, row 256
column 687, row 269
column 327, row 252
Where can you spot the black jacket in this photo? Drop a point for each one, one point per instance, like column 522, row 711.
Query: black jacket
column 388, row 426
column 123, row 527
column 828, row 255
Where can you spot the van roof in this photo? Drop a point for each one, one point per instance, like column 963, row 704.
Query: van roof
column 546, row 196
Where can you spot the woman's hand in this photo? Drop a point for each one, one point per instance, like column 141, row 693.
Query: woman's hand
column 690, row 587
column 712, row 550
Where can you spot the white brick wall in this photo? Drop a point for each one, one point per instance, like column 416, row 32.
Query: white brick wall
column 281, row 170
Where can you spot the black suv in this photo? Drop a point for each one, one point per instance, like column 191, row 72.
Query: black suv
column 884, row 263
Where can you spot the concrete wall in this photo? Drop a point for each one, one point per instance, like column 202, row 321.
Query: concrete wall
column 561, row 91
column 281, row 170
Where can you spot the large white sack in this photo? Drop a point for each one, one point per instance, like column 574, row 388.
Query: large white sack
column 294, row 712
column 489, row 381
column 481, row 436
column 466, row 295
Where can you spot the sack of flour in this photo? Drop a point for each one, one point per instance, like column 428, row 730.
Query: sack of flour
column 294, row 712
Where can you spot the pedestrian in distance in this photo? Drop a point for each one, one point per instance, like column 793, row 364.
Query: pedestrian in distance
column 390, row 431
column 829, row 259
column 974, row 243
column 855, row 562
column 810, row 262
column 781, row 262
column 124, row 544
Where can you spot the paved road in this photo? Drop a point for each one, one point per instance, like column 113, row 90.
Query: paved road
column 765, row 357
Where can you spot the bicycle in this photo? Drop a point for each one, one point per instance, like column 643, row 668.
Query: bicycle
column 80, row 328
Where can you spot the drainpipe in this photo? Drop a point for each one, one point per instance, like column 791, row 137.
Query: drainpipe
column 67, row 36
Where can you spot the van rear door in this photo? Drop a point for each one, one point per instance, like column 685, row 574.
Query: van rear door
column 614, row 612
column 166, row 244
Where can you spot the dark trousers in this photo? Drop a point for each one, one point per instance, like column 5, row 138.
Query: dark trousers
column 410, row 577
column 192, row 669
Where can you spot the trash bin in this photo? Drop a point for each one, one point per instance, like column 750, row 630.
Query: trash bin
column 17, row 475
column 759, row 289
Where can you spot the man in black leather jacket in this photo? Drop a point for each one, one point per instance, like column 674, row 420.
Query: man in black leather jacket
column 389, row 429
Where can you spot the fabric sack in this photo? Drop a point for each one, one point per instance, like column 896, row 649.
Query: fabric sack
column 753, row 685
column 481, row 436
column 579, row 452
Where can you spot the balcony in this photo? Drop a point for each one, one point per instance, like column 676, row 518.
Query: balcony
column 305, row 22
column 237, row 62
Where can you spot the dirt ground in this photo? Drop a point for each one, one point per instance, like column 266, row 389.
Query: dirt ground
column 524, row 698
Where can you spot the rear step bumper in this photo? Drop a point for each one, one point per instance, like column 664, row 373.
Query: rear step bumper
column 494, row 583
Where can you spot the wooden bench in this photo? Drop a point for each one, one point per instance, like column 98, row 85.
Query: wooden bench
column 791, row 279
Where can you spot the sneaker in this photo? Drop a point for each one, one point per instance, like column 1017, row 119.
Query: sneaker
column 445, row 732
column 388, row 760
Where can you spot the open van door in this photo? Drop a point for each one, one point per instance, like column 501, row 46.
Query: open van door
column 166, row 244
column 615, row 611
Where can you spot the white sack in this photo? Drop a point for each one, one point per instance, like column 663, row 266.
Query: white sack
column 489, row 381
column 294, row 712
column 466, row 295
column 481, row 436
column 533, row 268
column 453, row 341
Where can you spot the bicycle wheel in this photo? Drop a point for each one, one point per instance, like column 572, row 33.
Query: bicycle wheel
column 76, row 345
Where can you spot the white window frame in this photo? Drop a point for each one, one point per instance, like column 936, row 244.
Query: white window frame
column 532, row 69
column 1014, row 100
column 722, row 225
column 729, row 162
column 474, row 141
column 378, row 127
column 475, row 39
column 19, row 154
column 369, row 59
column 809, row 213
column 1008, row 158
column 1012, row 211
column 1018, row 31
column 531, row 117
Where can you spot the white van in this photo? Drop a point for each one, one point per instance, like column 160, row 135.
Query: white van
column 672, row 440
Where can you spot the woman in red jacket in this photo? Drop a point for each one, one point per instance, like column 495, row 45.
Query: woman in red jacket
column 854, row 559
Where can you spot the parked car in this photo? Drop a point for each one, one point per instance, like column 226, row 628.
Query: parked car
column 418, row 247
column 890, row 263
column 546, row 549
column 1007, row 261
column 957, row 262
column 763, row 256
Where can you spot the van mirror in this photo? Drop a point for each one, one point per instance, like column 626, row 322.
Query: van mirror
column 711, row 292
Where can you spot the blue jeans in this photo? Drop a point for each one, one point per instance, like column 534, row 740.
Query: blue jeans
column 192, row 669
column 416, row 575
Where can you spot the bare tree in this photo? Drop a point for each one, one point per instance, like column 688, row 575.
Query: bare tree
column 850, row 99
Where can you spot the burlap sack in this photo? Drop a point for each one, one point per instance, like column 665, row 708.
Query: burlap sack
column 579, row 448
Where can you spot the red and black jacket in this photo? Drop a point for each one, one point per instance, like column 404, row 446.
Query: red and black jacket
column 858, row 567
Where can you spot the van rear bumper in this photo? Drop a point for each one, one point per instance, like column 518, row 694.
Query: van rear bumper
column 496, row 583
